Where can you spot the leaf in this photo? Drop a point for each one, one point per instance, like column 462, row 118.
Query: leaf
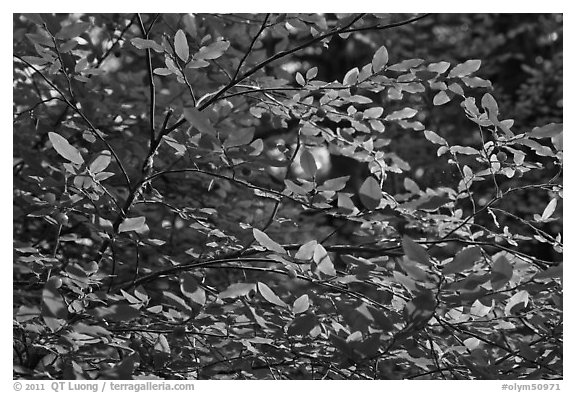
column 306, row 251
column 464, row 260
column 439, row 68
column 549, row 210
column 405, row 113
column 141, row 43
column 136, row 224
column 308, row 163
column 491, row 106
column 311, row 73
column 547, row 131
column 345, row 204
column 465, row 69
column 65, row 149
column 480, row 309
column 323, row 262
column 237, row 290
column 441, row 98
column 162, row 71
column 373, row 113
column 300, row 79
column 335, row 184
column 517, row 303
column 380, row 59
column 54, row 309
column 405, row 65
column 502, row 272
column 435, row 138
column 101, row 162
column 181, row 45
column 351, row 77
column 266, row 242
column 240, row 137
column 73, row 30
column 411, row 185
column 212, row 51
column 415, row 251
column 301, row 304
column 269, row 295
column 190, row 288
column 370, row 193
column 551, row 272
column 199, row 120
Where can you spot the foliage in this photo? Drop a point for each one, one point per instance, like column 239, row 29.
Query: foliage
column 209, row 196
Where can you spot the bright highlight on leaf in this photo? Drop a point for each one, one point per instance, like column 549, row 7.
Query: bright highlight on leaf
column 269, row 295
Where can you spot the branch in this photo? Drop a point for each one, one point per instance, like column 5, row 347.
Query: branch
column 389, row 26
column 251, row 46
column 75, row 109
column 264, row 63
column 237, row 181
column 152, row 86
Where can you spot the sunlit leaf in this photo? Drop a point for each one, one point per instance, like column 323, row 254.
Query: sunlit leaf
column 322, row 261
column 181, row 45
column 101, row 162
column 191, row 289
column 65, row 149
column 351, row 77
column 301, row 304
column 136, row 224
column 465, row 69
column 380, row 59
column 266, row 242
column 269, row 295
column 370, row 193
column 236, row 290
column 405, row 113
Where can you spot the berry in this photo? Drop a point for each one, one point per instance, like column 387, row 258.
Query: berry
column 320, row 112
column 56, row 281
column 358, row 116
column 292, row 273
column 501, row 156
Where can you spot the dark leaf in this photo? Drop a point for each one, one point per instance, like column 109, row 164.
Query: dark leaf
column 199, row 120
column 464, row 260
column 415, row 251
column 502, row 272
